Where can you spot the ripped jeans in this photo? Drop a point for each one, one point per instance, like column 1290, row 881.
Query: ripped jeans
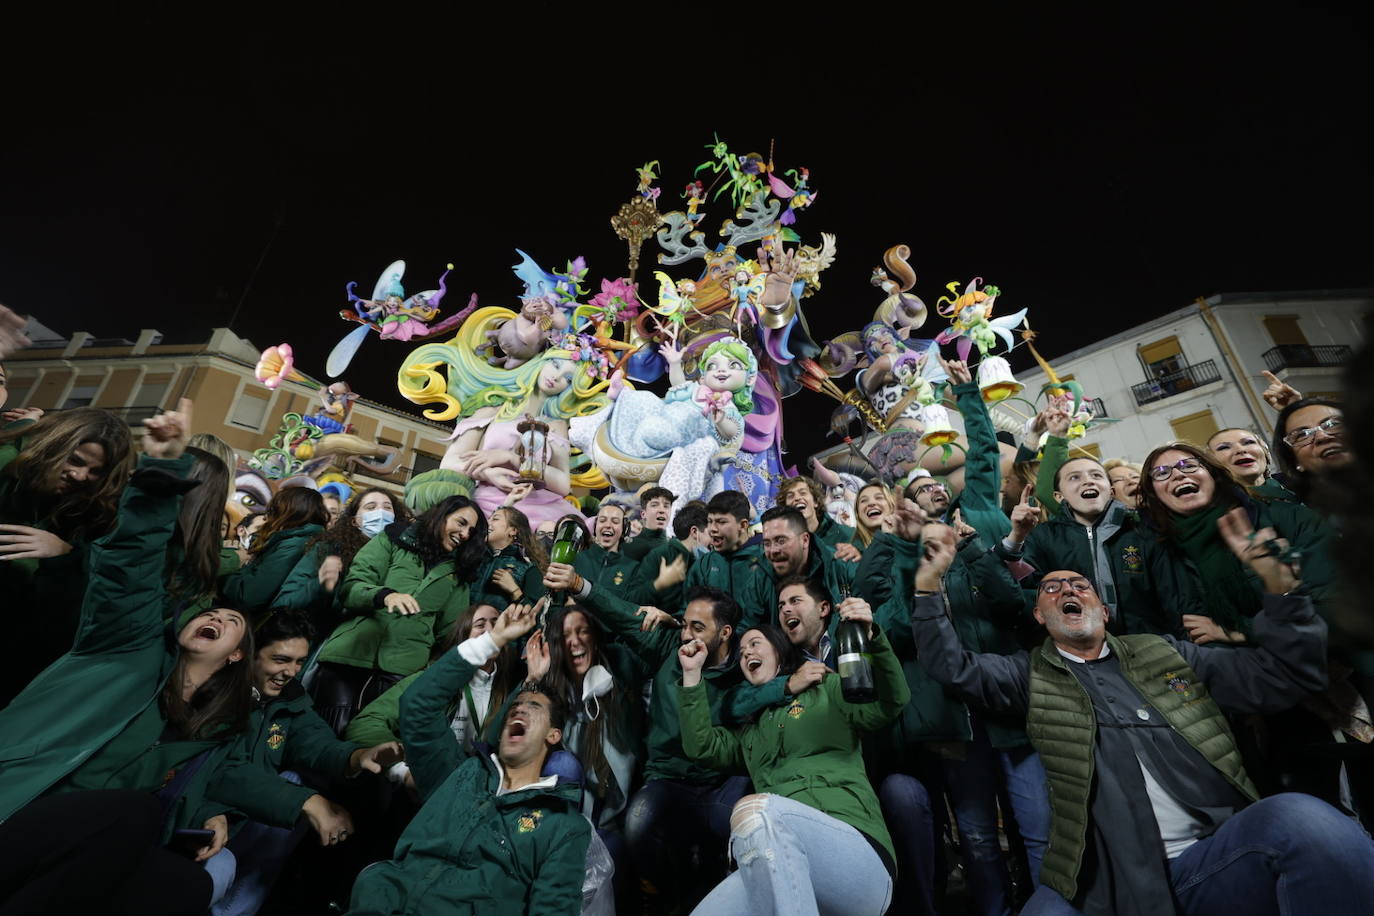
column 796, row 860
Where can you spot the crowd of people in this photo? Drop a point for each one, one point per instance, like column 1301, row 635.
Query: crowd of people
column 1131, row 687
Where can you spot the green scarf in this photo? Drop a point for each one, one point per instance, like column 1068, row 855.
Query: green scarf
column 1227, row 593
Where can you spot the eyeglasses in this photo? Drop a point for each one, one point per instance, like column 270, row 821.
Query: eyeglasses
column 925, row 487
column 1164, row 471
column 1332, row 425
column 1053, row 586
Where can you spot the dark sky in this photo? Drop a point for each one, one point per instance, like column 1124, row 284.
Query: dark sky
column 1100, row 170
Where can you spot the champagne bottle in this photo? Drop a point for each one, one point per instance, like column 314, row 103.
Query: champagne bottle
column 568, row 542
column 855, row 662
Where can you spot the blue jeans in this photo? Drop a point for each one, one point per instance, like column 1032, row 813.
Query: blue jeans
column 1288, row 854
column 971, row 785
column 911, row 821
column 1030, row 802
column 666, row 818
column 798, row 861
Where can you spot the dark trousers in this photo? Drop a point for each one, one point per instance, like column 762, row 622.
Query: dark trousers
column 95, row 852
column 667, row 821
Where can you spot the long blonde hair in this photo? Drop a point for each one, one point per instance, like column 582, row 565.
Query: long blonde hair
column 865, row 533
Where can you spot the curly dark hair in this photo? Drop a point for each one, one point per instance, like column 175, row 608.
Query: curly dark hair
column 430, row 538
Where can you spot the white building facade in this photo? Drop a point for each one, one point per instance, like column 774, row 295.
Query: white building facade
column 1193, row 371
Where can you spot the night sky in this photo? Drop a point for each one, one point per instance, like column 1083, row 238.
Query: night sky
column 1101, row 171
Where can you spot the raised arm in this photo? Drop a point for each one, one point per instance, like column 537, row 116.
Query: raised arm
column 707, row 744
column 981, row 498
column 124, row 601
column 432, row 750
column 997, row 682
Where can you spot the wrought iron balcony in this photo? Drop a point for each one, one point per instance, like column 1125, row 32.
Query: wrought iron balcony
column 1185, row 379
column 1300, row 356
column 1099, row 409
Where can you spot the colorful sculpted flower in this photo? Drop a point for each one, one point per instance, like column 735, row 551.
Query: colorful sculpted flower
column 618, row 298
column 277, row 365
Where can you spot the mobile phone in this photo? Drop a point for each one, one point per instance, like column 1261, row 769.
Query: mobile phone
column 192, row 841
column 1033, row 503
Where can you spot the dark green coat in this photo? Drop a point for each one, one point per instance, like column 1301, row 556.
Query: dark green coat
column 638, row 547
column 285, row 734
column 526, row 574
column 608, row 569
column 832, row 533
column 253, row 587
column 470, row 850
column 984, row 603
column 742, row 574
column 91, row 701
column 808, row 748
column 980, row 502
column 374, row 638
column 641, row 590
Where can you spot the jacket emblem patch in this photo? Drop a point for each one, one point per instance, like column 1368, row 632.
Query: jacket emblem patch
column 795, row 710
column 1181, row 686
column 1131, row 560
column 275, row 737
column 618, row 578
column 528, row 823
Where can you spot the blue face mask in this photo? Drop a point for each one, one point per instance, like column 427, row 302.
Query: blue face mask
column 374, row 520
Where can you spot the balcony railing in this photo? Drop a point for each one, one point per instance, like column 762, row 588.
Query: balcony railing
column 1299, row 356
column 1185, row 379
column 1099, row 409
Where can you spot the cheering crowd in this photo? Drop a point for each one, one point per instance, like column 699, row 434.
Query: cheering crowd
column 1132, row 687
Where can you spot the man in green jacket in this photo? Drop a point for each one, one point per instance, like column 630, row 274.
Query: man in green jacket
column 734, row 566
column 658, row 581
column 1152, row 810
column 494, row 835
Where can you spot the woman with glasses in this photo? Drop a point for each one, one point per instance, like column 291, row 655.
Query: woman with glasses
column 1184, row 492
column 1309, row 443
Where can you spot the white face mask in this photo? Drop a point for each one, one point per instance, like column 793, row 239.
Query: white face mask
column 596, row 683
column 246, row 542
column 374, row 520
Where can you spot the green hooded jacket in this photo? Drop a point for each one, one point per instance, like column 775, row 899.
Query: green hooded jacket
column 395, row 643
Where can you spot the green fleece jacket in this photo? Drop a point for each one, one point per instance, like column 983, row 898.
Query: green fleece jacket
column 85, row 721
column 609, row 569
column 374, row 638
column 253, row 587
column 526, row 574
column 473, row 849
column 807, row 748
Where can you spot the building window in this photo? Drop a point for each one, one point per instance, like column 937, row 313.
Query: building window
column 249, row 411
column 1196, row 428
column 1085, row 450
column 80, row 396
column 423, row 462
column 152, row 392
column 1162, row 357
column 1284, row 330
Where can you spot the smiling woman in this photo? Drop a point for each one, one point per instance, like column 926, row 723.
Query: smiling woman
column 405, row 588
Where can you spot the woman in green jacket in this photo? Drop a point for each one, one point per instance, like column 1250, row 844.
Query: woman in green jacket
column 312, row 585
column 514, row 572
column 115, row 744
column 403, row 592
column 60, row 480
column 813, row 839
column 294, row 516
